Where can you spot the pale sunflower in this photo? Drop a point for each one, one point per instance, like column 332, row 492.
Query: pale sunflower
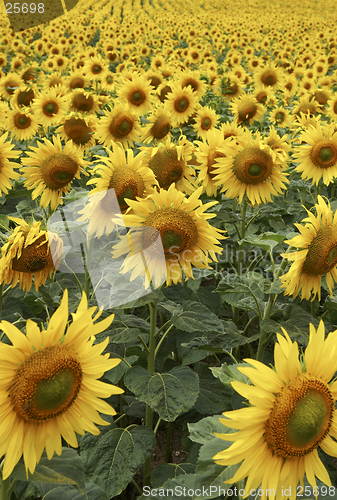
column 169, row 163
column 318, row 158
column 205, row 119
column 49, row 384
column 138, row 93
column 187, row 238
column 318, row 240
column 49, row 107
column 120, row 125
column 181, row 103
column 50, row 170
column 291, row 413
column 246, row 110
column 29, row 252
column 22, row 124
column 250, row 167
column 122, row 177
column 7, row 171
column 159, row 127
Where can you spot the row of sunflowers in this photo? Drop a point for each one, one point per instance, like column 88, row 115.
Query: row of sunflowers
column 169, row 169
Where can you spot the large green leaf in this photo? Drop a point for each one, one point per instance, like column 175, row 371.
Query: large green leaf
column 111, row 460
column 193, row 316
column 165, row 471
column 214, row 397
column 169, row 394
column 93, row 492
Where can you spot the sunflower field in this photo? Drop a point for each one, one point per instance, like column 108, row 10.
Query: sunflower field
column 168, row 250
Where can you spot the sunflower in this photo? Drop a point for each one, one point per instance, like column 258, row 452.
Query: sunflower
column 22, row 124
column 269, row 76
column 306, row 104
column 49, row 107
column 181, row 102
column 291, row 414
column 121, row 178
column 332, row 108
column 78, row 129
column 206, row 154
column 108, row 82
column 318, row 257
column 205, row 119
column 84, row 102
column 77, row 80
column 230, row 87
column 318, row 158
column 159, row 127
column 280, row 117
column 186, row 236
column 278, row 144
column 8, row 84
column 321, row 96
column 49, row 384
column 265, row 95
column 192, row 79
column 229, row 129
column 29, row 252
column 6, row 166
column 23, row 96
column 169, row 163
column 246, row 110
column 121, row 125
column 250, row 167
column 138, row 93
column 50, row 170
column 94, row 68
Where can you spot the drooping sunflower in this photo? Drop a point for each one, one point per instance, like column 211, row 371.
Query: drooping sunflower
column 250, row 167
column 49, row 107
column 29, row 252
column 78, row 129
column 120, row 125
column 138, row 93
column 122, row 177
column 291, row 414
column 7, row 171
column 187, row 238
column 169, row 163
column 49, row 384
column 159, row 127
column 318, row 158
column 319, row 255
column 22, row 124
column 181, row 103
column 246, row 110
column 50, row 170
column 205, row 119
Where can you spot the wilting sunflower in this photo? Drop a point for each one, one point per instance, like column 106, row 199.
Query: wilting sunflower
column 6, row 166
column 206, row 155
column 121, row 125
column 318, row 240
column 250, row 167
column 186, row 236
column 122, row 178
column 318, row 158
column 169, row 163
column 138, row 93
column 181, row 103
column 49, row 384
column 159, row 127
column 50, row 170
column 29, row 252
column 78, row 129
column 246, row 110
column 22, row 124
column 291, row 414
column 205, row 119
column 49, row 107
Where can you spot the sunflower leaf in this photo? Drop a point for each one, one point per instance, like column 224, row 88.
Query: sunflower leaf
column 196, row 317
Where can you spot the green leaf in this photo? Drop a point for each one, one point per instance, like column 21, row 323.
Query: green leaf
column 165, row 471
column 116, row 373
column 116, row 456
column 297, row 326
column 214, row 397
column 229, row 373
column 202, row 431
column 93, row 492
column 169, row 394
column 196, row 317
column 66, row 469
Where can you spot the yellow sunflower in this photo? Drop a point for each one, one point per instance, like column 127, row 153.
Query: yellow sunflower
column 29, row 252
column 159, row 127
column 291, row 413
column 7, row 171
column 205, row 119
column 77, row 80
column 192, row 79
column 181, row 102
column 169, row 163
column 280, row 117
column 306, row 104
column 269, row 76
column 49, row 384
column 84, row 102
column 250, row 167
column 8, row 84
column 318, row 158
column 121, row 125
column 332, row 108
column 229, row 129
column 122, row 178
column 138, row 93
column 50, row 170
column 230, row 87
column 246, row 110
column 95, row 67
column 49, row 107
column 22, row 124
column 319, row 255
column 186, row 236
column 79, row 130
column 23, row 96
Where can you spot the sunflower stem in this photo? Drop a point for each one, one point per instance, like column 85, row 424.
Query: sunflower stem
column 150, row 366
column 88, row 254
column 168, row 442
column 5, row 492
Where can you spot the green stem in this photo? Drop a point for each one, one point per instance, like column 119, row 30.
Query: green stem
column 168, row 442
column 137, row 487
column 150, row 367
column 89, row 246
column 5, row 489
column 161, row 340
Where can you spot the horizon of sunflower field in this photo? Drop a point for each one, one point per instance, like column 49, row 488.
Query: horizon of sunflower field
column 169, row 170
